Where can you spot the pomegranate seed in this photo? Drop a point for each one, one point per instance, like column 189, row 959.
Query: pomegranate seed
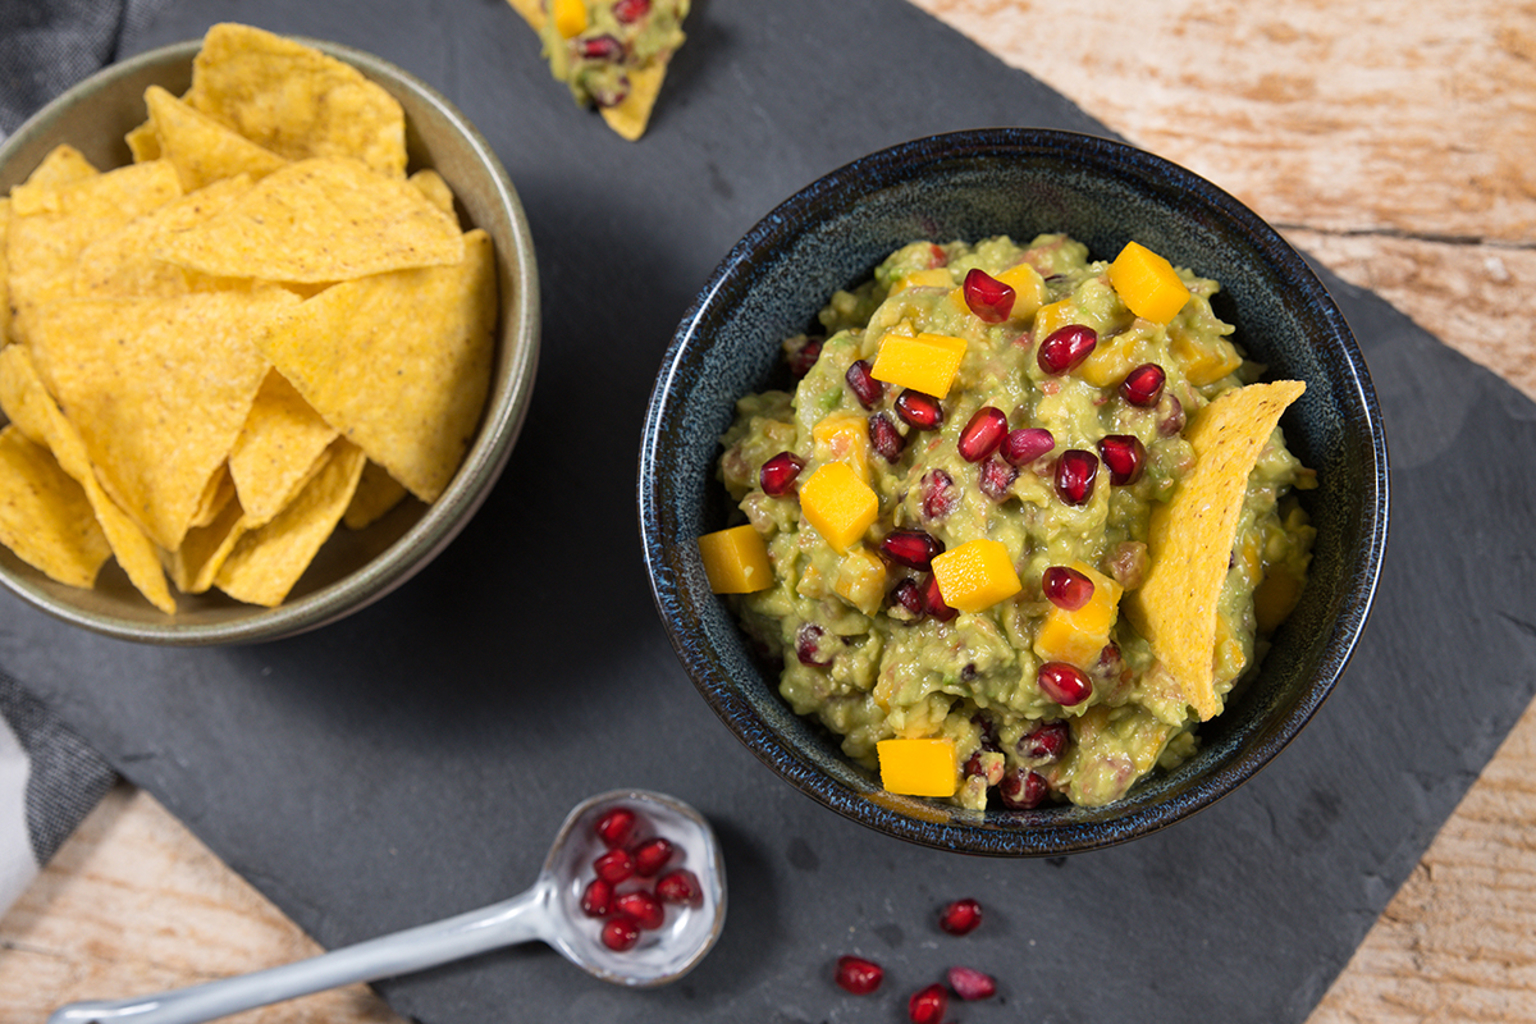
column 1143, row 386
column 983, row 434
column 884, row 438
column 865, row 388
column 1022, row 789
column 1066, row 588
column 933, row 601
column 910, row 596
column 652, row 855
column 630, row 11
column 614, row 866
column 1044, row 743
column 645, row 908
column 1065, row 348
column 615, row 827
column 778, row 475
column 939, row 494
column 912, row 548
column 1171, row 421
column 1075, row 472
column 621, row 932
column 927, row 1005
column 961, row 917
column 1026, row 445
column 919, row 410
column 970, row 984
column 1125, row 456
column 680, row 886
column 804, row 355
column 1065, row 684
column 995, row 477
column 989, row 298
column 597, row 898
column 601, row 48
column 859, row 976
column 808, row 646
column 937, row 257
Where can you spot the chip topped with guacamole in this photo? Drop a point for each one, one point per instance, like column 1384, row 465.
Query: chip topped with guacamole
column 1024, row 520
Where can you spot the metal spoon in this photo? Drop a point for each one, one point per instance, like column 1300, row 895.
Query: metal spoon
column 549, row 911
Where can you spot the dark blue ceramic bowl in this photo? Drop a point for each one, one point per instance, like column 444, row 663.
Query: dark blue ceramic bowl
column 1019, row 182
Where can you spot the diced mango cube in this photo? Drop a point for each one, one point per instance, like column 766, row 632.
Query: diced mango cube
column 1275, row 598
column 1147, row 283
column 1078, row 638
column 570, row 17
column 976, row 575
column 838, row 504
column 1204, row 365
column 843, row 437
column 934, row 277
column 1053, row 317
column 918, row 767
column 861, row 580
column 1028, row 290
column 736, row 560
column 1111, row 359
column 926, row 363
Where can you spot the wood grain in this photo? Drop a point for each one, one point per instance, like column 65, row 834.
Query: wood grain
column 1394, row 142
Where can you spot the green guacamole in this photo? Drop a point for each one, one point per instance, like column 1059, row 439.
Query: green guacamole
column 863, row 652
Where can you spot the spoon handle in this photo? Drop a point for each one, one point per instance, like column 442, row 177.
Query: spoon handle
column 519, row 919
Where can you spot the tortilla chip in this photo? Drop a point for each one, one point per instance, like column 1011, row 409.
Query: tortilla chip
column 219, row 493
column 267, row 562
column 435, row 189
column 630, row 116
column 44, row 515
column 315, row 221
column 143, row 143
column 377, row 493
column 63, row 164
column 400, row 362
column 204, row 550
column 5, row 274
column 201, row 149
column 278, row 450
column 1190, row 538
column 159, row 389
column 295, row 100
column 33, row 411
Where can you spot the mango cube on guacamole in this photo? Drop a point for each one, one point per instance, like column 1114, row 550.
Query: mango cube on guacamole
column 839, row 505
column 861, row 580
column 736, row 560
column 1078, row 638
column 918, row 767
column 925, row 362
column 843, row 437
column 976, row 575
column 1147, row 283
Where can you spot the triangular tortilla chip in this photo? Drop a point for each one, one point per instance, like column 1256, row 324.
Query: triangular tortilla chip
column 1190, row 538
column 278, row 450
column 5, row 275
column 296, row 101
column 315, row 221
column 201, row 149
column 203, row 550
column 377, row 493
column 32, row 410
column 159, row 389
column 63, row 164
column 400, row 363
column 630, row 116
column 45, row 517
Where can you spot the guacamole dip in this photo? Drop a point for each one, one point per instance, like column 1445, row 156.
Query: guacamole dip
column 1025, row 437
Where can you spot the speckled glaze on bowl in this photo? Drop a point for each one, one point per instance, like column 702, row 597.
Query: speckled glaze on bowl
column 354, row 568
column 1020, row 182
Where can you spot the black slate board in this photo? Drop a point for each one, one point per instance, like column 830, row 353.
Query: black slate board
column 411, row 762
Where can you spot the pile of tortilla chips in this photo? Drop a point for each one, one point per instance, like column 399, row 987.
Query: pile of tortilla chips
column 258, row 329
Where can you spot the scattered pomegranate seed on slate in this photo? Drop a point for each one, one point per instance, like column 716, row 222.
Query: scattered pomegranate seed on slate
column 597, row 898
column 1066, row 588
column 615, row 827
column 778, row 475
column 1065, row 684
column 961, row 917
column 1143, row 386
column 1065, row 348
column 644, row 907
column 680, row 886
column 614, row 866
column 1026, row 445
column 859, row 976
column 927, row 1006
column 983, row 434
column 987, row 297
column 864, row 386
column 652, row 855
column 621, row 932
column 970, row 984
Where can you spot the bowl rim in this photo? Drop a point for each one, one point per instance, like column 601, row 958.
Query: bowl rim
column 501, row 422
column 1034, row 834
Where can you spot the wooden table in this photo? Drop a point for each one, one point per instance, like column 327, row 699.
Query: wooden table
column 1396, row 143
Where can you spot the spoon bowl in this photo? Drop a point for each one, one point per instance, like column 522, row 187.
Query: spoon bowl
column 549, row 911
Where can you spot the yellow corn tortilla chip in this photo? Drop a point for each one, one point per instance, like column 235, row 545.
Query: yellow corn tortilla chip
column 278, row 449
column 45, row 517
column 435, row 189
column 143, row 143
column 268, row 561
column 63, row 164
column 1190, row 538
column 316, row 221
column 159, row 389
column 630, row 116
column 400, row 362
column 377, row 493
column 32, row 410
column 295, row 100
column 5, row 274
column 201, row 149
column 219, row 493
column 203, row 550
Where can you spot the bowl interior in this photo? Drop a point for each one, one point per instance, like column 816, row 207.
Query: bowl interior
column 1021, row 183
column 353, row 568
